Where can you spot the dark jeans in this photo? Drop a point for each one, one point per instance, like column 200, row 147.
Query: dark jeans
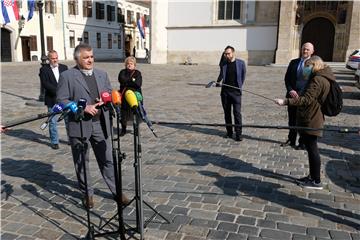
column 310, row 142
column 292, row 122
column 232, row 99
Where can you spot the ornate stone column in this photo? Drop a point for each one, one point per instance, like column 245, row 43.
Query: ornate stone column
column 158, row 40
column 354, row 31
column 285, row 45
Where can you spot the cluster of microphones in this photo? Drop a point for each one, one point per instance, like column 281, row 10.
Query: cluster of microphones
column 111, row 101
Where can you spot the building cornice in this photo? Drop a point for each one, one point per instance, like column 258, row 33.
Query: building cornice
column 224, row 26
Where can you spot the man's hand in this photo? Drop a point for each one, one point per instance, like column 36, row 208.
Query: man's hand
column 217, row 84
column 280, row 102
column 3, row 129
column 294, row 94
column 93, row 109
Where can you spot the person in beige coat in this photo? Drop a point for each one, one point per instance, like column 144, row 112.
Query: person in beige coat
column 309, row 114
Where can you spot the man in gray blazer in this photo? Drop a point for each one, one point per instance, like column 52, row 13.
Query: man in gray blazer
column 84, row 81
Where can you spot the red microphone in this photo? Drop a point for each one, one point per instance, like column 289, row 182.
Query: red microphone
column 106, row 97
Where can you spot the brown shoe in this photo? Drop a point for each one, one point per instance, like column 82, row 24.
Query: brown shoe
column 124, row 200
column 88, row 202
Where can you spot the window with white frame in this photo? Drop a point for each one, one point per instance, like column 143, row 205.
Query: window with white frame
column 119, row 41
column 229, row 10
column 109, row 40
column 98, row 40
column 72, row 38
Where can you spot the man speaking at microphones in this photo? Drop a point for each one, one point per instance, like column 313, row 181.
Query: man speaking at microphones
column 86, row 82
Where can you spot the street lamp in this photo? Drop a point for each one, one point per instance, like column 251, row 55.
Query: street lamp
column 40, row 101
column 40, row 5
column 21, row 23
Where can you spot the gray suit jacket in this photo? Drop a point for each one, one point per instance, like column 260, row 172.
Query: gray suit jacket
column 72, row 87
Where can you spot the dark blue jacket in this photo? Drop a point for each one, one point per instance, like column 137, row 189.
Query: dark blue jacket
column 240, row 72
column 291, row 76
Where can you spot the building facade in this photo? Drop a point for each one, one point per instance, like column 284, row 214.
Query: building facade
column 262, row 32
column 102, row 24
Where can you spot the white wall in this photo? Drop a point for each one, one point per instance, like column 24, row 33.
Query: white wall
column 190, row 13
column 215, row 39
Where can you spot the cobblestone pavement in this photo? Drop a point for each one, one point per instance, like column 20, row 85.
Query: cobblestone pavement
column 207, row 186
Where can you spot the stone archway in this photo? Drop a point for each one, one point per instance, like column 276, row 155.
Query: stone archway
column 5, row 45
column 320, row 32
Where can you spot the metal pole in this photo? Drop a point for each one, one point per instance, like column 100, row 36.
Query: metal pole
column 43, row 56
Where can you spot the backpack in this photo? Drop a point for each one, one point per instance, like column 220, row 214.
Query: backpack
column 333, row 103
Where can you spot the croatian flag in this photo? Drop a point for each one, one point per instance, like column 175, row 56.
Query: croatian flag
column 31, row 8
column 141, row 25
column 9, row 11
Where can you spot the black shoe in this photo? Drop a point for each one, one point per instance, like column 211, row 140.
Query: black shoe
column 312, row 185
column 300, row 147
column 55, row 146
column 122, row 133
column 303, row 180
column 228, row 135
column 238, row 138
column 287, row 143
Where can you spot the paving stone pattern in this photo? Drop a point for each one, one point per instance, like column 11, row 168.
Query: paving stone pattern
column 207, row 186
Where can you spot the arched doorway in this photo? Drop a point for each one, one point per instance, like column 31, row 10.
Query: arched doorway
column 5, row 45
column 320, row 32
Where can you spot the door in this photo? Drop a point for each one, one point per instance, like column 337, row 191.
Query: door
column 25, row 44
column 320, row 32
column 5, row 45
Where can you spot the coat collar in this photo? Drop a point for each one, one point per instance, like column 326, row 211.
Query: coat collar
column 80, row 78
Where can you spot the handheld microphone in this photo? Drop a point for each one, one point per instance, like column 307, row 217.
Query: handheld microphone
column 80, row 111
column 71, row 107
column 131, row 99
column 56, row 109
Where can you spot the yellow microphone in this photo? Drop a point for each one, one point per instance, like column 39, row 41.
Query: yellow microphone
column 131, row 99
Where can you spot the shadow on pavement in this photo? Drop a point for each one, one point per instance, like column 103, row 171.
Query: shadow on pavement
column 353, row 110
column 19, row 96
column 7, row 190
column 51, row 183
column 217, row 132
column 268, row 191
column 338, row 139
column 27, row 134
column 351, row 95
column 340, row 173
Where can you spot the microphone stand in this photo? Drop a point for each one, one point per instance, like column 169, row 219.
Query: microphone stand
column 117, row 161
column 81, row 147
column 140, row 223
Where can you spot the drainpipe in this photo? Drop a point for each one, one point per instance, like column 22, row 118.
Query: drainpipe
column 63, row 25
column 277, row 33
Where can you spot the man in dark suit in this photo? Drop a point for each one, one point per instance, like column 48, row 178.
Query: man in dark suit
column 295, row 86
column 84, row 81
column 233, row 73
column 49, row 77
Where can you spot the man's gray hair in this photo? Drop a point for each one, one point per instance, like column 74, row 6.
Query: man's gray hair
column 79, row 48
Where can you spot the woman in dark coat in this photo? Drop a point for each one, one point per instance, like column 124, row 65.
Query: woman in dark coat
column 309, row 114
column 129, row 79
